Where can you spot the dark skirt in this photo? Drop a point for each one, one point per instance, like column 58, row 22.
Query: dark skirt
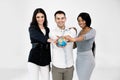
column 40, row 56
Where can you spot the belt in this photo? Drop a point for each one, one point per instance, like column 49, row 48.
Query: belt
column 34, row 45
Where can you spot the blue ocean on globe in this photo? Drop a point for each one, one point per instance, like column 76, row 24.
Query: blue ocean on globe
column 61, row 42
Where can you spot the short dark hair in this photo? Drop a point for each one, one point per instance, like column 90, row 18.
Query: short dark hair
column 34, row 21
column 85, row 16
column 59, row 12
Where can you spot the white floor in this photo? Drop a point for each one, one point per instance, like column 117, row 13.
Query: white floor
column 99, row 73
column 107, row 68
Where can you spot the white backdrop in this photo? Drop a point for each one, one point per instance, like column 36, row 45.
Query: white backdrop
column 16, row 15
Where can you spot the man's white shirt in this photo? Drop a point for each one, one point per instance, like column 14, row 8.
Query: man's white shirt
column 62, row 57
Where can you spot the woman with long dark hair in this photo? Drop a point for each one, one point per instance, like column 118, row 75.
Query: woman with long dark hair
column 39, row 58
column 85, row 47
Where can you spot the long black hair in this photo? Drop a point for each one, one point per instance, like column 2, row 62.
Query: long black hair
column 34, row 21
column 85, row 16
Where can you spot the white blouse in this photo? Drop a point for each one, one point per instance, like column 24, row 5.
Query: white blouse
column 44, row 31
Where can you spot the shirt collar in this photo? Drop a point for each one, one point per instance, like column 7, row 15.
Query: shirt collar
column 61, row 29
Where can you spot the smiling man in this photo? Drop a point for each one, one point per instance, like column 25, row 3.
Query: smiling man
column 62, row 57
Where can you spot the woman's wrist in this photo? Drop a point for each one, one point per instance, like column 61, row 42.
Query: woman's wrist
column 50, row 40
column 73, row 39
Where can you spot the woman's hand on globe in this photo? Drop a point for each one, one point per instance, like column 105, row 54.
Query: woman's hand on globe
column 69, row 38
column 52, row 40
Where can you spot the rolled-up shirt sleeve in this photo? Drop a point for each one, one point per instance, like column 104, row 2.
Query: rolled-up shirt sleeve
column 73, row 33
column 91, row 34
